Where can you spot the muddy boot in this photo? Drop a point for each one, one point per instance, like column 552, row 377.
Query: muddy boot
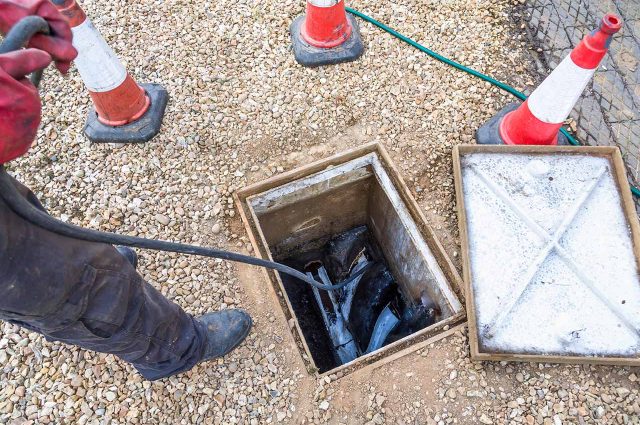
column 226, row 329
column 129, row 254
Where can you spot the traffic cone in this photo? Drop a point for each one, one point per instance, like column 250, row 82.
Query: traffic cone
column 326, row 35
column 537, row 121
column 123, row 111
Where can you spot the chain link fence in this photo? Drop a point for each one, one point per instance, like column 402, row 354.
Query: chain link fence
column 609, row 111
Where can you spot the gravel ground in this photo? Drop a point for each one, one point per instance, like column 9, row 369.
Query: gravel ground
column 241, row 110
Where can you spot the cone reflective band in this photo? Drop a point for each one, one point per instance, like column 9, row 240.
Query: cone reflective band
column 326, row 34
column 537, row 121
column 118, row 100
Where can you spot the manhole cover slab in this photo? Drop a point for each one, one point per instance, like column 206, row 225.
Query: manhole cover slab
column 550, row 238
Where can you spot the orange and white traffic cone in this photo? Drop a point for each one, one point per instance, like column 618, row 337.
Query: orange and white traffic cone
column 123, row 112
column 537, row 121
column 326, row 34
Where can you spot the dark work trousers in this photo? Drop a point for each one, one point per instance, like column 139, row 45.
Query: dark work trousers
column 89, row 295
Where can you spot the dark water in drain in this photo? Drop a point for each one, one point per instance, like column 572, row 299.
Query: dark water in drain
column 376, row 293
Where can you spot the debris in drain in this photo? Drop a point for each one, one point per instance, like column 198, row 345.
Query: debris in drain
column 367, row 314
column 331, row 308
column 387, row 322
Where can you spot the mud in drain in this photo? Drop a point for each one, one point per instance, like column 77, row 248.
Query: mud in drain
column 360, row 318
column 348, row 216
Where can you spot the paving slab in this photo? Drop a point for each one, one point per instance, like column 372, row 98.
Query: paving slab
column 552, row 263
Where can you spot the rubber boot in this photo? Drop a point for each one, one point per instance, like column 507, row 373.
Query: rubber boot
column 226, row 329
column 129, row 254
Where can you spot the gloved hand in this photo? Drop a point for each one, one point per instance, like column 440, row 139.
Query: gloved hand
column 58, row 44
column 19, row 101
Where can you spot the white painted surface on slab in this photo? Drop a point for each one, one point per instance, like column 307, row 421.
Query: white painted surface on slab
column 589, row 308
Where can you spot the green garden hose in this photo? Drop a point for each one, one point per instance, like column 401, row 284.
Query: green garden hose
column 435, row 55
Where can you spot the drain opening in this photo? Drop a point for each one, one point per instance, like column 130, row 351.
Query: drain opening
column 330, row 218
column 340, row 326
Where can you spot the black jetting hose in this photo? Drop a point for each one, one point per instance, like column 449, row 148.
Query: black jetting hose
column 33, row 215
column 19, row 35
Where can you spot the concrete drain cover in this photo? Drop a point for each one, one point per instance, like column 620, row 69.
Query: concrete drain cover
column 551, row 264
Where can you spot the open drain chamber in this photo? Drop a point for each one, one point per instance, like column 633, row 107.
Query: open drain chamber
column 303, row 218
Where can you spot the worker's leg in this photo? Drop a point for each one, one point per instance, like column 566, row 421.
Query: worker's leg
column 89, row 295
column 126, row 316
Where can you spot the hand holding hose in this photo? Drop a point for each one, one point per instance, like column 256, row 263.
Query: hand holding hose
column 35, row 23
column 20, row 117
column 57, row 43
column 19, row 101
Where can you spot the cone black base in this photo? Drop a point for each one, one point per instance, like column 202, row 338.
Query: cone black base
column 310, row 56
column 140, row 131
column 489, row 133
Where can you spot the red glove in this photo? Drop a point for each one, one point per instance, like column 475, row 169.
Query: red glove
column 58, row 44
column 19, row 101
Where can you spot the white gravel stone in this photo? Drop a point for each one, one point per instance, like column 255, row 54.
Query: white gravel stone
column 240, row 111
